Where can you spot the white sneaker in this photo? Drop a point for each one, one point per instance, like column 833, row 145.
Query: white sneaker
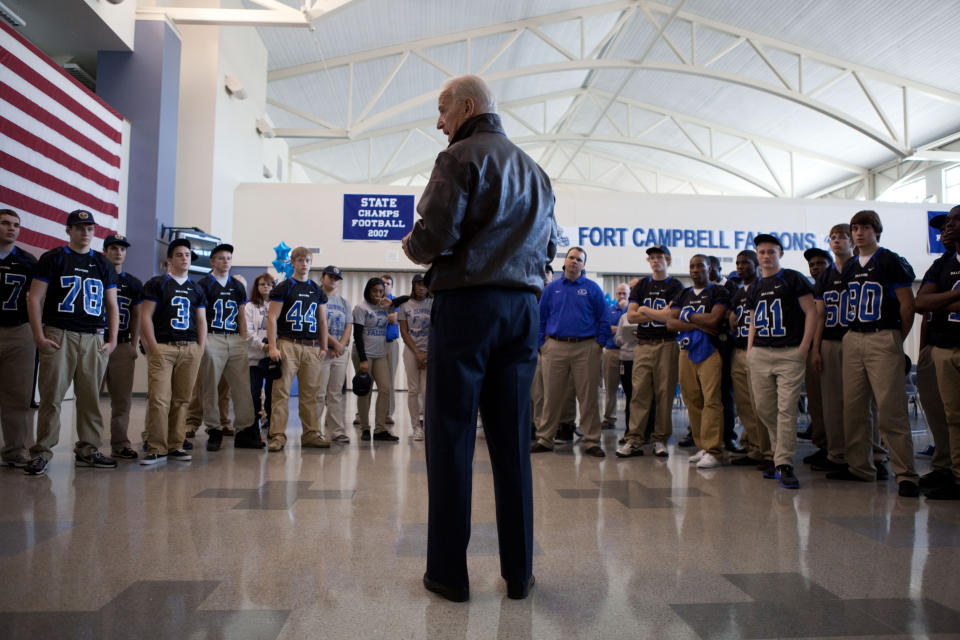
column 660, row 450
column 628, row 450
column 695, row 458
column 708, row 461
column 418, row 433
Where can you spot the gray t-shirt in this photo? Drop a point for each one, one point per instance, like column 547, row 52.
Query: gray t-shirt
column 417, row 316
column 338, row 312
column 374, row 321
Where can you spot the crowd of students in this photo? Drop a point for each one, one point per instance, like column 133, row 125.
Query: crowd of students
column 739, row 347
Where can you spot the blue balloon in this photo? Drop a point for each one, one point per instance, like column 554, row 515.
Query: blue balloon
column 278, row 265
column 282, row 251
column 288, row 269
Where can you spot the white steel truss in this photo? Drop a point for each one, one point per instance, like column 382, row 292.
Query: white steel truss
column 790, row 84
column 273, row 14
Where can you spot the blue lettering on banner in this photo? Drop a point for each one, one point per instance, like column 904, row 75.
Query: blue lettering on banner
column 935, row 246
column 687, row 238
column 377, row 216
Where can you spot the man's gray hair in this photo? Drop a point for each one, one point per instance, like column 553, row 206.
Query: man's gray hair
column 473, row 87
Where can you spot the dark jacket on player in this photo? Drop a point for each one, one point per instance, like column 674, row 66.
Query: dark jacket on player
column 486, row 213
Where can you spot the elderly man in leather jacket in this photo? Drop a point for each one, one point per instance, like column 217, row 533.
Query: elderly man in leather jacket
column 487, row 229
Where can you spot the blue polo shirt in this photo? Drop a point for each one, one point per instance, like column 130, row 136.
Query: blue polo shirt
column 613, row 315
column 574, row 309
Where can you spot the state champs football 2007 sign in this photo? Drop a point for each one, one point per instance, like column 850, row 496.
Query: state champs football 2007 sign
column 377, row 216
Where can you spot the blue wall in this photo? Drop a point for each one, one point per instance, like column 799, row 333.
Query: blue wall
column 144, row 86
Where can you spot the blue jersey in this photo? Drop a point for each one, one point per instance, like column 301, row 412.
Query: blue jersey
column 174, row 317
column 944, row 328
column 302, row 301
column 129, row 295
column 872, row 303
column 76, row 286
column 774, row 305
column 16, row 271
column 656, row 294
column 573, row 309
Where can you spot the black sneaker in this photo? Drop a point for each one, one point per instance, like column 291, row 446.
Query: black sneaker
column 685, row 442
column 365, row 434
column 152, row 458
column 214, row 439
column 179, row 455
column 817, row 457
column 768, row 470
column 187, row 445
column 385, row 436
column 936, row 479
column 882, row 472
column 908, row 489
column 786, row 477
column 95, row 459
column 36, row 467
column 19, row 461
column 125, row 454
column 248, row 438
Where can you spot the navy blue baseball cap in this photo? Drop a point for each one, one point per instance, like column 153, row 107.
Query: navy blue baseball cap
column 222, row 247
column 814, row 252
column 181, row 242
column 417, row 278
column 116, row 238
column 660, row 248
column 768, row 238
column 80, row 216
column 331, row 270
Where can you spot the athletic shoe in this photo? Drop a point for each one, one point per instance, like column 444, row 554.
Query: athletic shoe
column 629, row 450
column 248, row 438
column 385, row 436
column 686, row 441
column 418, row 433
column 695, row 458
column 152, row 458
column 786, row 477
column 19, row 461
column 214, row 439
column 660, row 450
column 708, row 461
column 187, row 445
column 179, row 455
column 342, row 439
column 95, row 459
column 928, row 451
column 908, row 489
column 36, row 467
column 365, row 434
column 276, row 444
column 595, row 451
column 317, row 442
column 936, row 478
column 769, row 471
column 125, row 454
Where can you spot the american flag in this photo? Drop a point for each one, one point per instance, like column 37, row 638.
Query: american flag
column 60, row 147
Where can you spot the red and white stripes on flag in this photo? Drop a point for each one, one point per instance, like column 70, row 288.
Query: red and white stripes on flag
column 60, row 146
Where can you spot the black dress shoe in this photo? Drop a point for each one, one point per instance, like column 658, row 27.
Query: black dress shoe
column 248, row 438
column 948, row 492
column 744, row 461
column 933, row 480
column 827, row 465
column 908, row 489
column 595, row 451
column 452, row 594
column 365, row 434
column 214, row 439
column 385, row 436
column 820, row 455
column 520, row 590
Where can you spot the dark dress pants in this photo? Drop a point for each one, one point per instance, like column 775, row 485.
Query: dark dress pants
column 483, row 353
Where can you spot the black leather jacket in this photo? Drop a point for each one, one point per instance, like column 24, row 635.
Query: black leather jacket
column 486, row 216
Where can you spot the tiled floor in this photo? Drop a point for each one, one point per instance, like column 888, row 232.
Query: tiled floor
column 330, row 544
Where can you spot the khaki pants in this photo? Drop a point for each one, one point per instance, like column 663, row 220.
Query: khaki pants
column 831, row 390
column 330, row 397
column 569, row 415
column 80, row 361
column 171, row 376
column 815, row 404
column 17, row 354
column 758, row 440
column 119, row 381
column 304, row 363
column 932, row 403
column 566, row 365
column 654, row 377
column 947, row 364
column 700, row 387
column 874, row 363
column 611, row 382
column 393, row 359
column 776, row 375
column 225, row 360
column 380, row 375
column 416, row 386
column 195, row 408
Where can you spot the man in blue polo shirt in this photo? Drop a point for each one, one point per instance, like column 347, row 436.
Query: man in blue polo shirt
column 573, row 329
column 611, row 358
